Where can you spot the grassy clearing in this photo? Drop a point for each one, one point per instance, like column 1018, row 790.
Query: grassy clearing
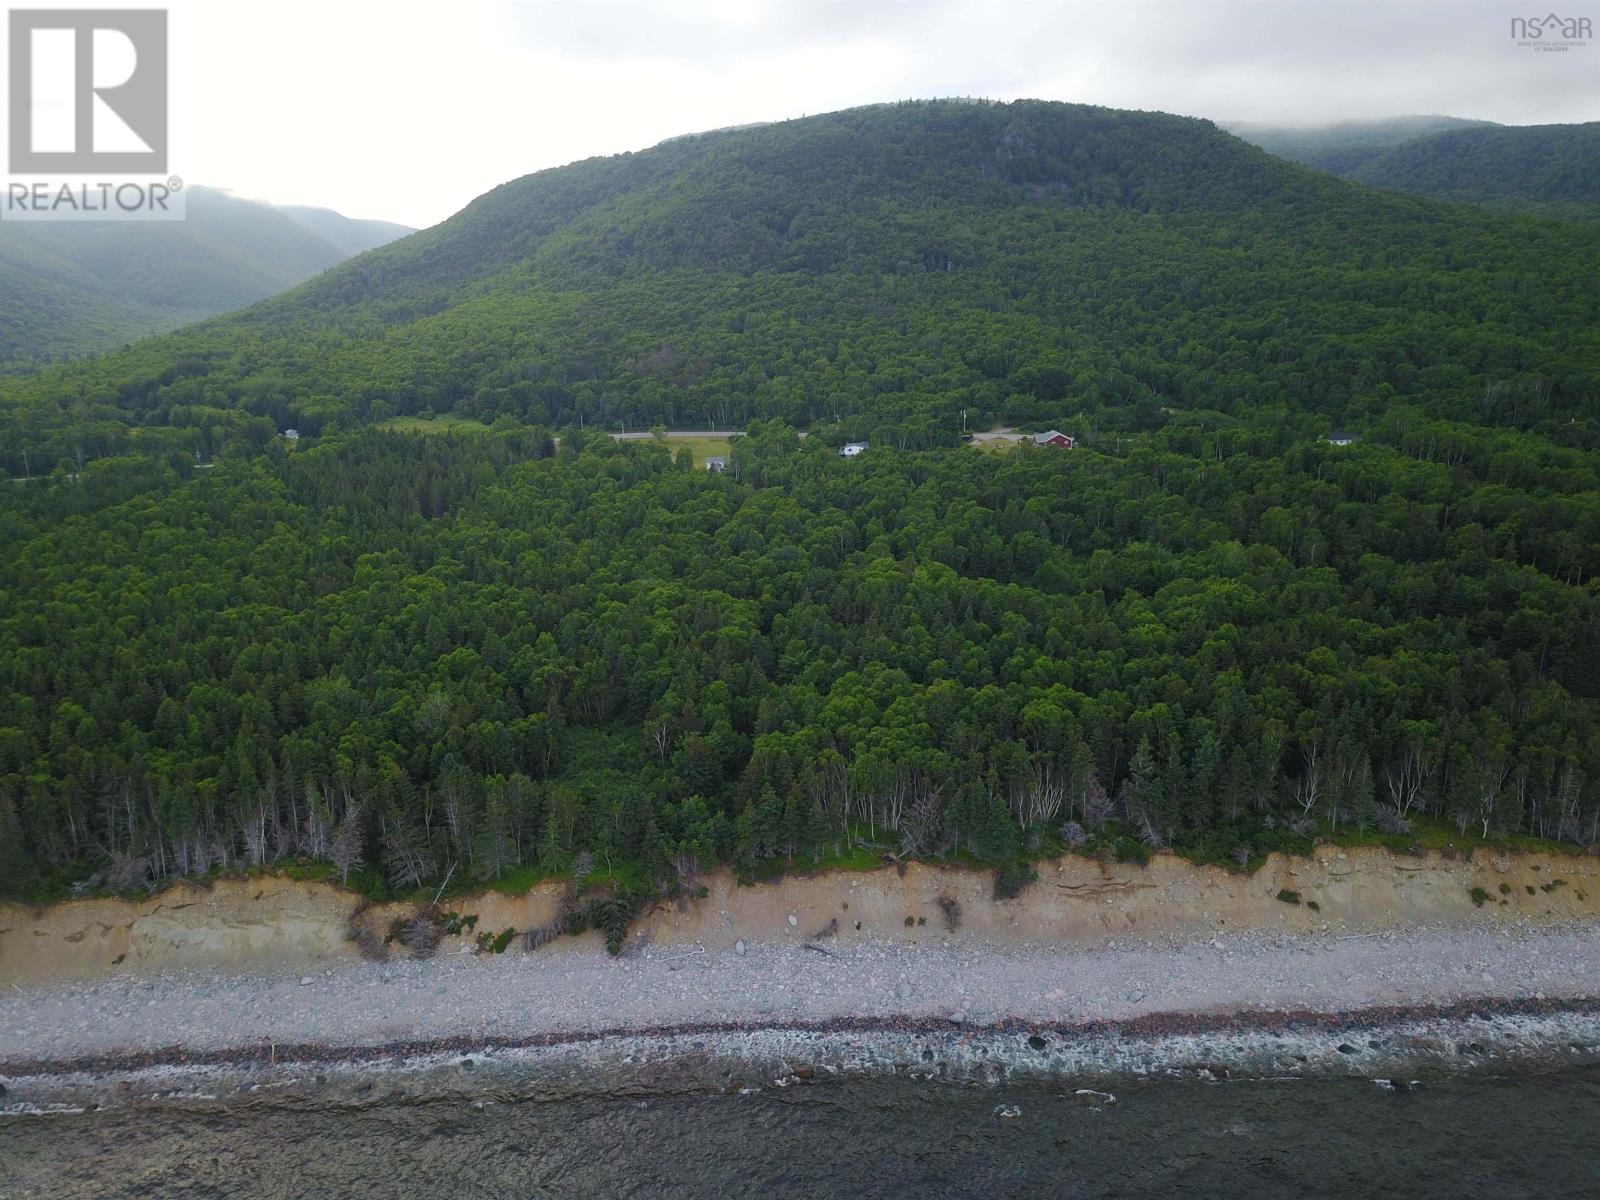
column 448, row 423
column 993, row 445
column 700, row 445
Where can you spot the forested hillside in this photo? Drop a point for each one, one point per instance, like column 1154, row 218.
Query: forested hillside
column 1547, row 170
column 1345, row 146
column 1551, row 170
column 71, row 288
column 888, row 268
column 419, row 657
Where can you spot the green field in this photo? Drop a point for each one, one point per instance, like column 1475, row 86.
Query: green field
column 995, row 447
column 448, row 423
column 701, row 445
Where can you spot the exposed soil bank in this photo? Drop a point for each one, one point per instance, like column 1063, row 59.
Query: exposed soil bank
column 277, row 924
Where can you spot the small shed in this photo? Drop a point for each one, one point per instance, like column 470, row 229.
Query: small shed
column 717, row 464
column 852, row 449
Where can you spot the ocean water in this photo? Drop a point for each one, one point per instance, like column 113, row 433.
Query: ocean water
column 1453, row 1135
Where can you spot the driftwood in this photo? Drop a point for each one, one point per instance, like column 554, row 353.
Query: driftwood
column 685, row 954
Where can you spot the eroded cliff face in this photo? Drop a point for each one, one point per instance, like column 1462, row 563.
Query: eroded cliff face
column 267, row 924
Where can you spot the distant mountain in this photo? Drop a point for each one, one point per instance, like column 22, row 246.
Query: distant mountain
column 350, row 237
column 888, row 269
column 1348, row 145
column 72, row 289
column 1549, row 170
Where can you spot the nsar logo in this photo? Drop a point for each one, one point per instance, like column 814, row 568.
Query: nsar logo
column 1551, row 32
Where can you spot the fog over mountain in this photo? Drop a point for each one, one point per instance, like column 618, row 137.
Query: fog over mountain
column 75, row 288
column 1545, row 170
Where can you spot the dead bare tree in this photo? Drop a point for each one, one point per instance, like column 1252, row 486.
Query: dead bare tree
column 255, row 836
column 318, row 840
column 1391, row 820
column 1568, row 797
column 128, row 871
column 1097, row 805
column 1264, row 777
column 1493, row 773
column 828, row 788
column 345, row 851
column 422, row 933
column 1308, row 790
column 659, row 735
column 1406, row 776
column 1149, row 831
column 686, row 865
column 1037, row 797
column 922, row 824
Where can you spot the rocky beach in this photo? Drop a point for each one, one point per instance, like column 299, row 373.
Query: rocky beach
column 209, row 1038
column 1115, row 966
column 573, row 994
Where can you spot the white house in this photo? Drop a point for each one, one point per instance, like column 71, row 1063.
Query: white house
column 716, row 464
column 851, row 449
column 1340, row 439
column 291, row 435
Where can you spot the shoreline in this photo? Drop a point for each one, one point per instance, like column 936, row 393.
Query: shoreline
column 1346, row 963
column 1396, row 1049
column 1381, row 1005
column 1153, row 1027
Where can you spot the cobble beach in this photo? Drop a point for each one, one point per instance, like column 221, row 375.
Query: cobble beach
column 577, row 990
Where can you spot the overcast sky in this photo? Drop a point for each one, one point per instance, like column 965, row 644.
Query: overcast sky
column 406, row 110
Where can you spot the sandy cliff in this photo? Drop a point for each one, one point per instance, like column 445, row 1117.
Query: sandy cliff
column 267, row 923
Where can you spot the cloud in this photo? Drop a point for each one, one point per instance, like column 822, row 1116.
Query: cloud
column 711, row 32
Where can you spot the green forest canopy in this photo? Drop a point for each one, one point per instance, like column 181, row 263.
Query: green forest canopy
column 886, row 270
column 1551, row 170
column 1207, row 628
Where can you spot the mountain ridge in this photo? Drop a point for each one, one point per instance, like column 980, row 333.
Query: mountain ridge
column 82, row 287
column 1540, row 170
column 1340, row 147
column 1076, row 259
column 1545, row 170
